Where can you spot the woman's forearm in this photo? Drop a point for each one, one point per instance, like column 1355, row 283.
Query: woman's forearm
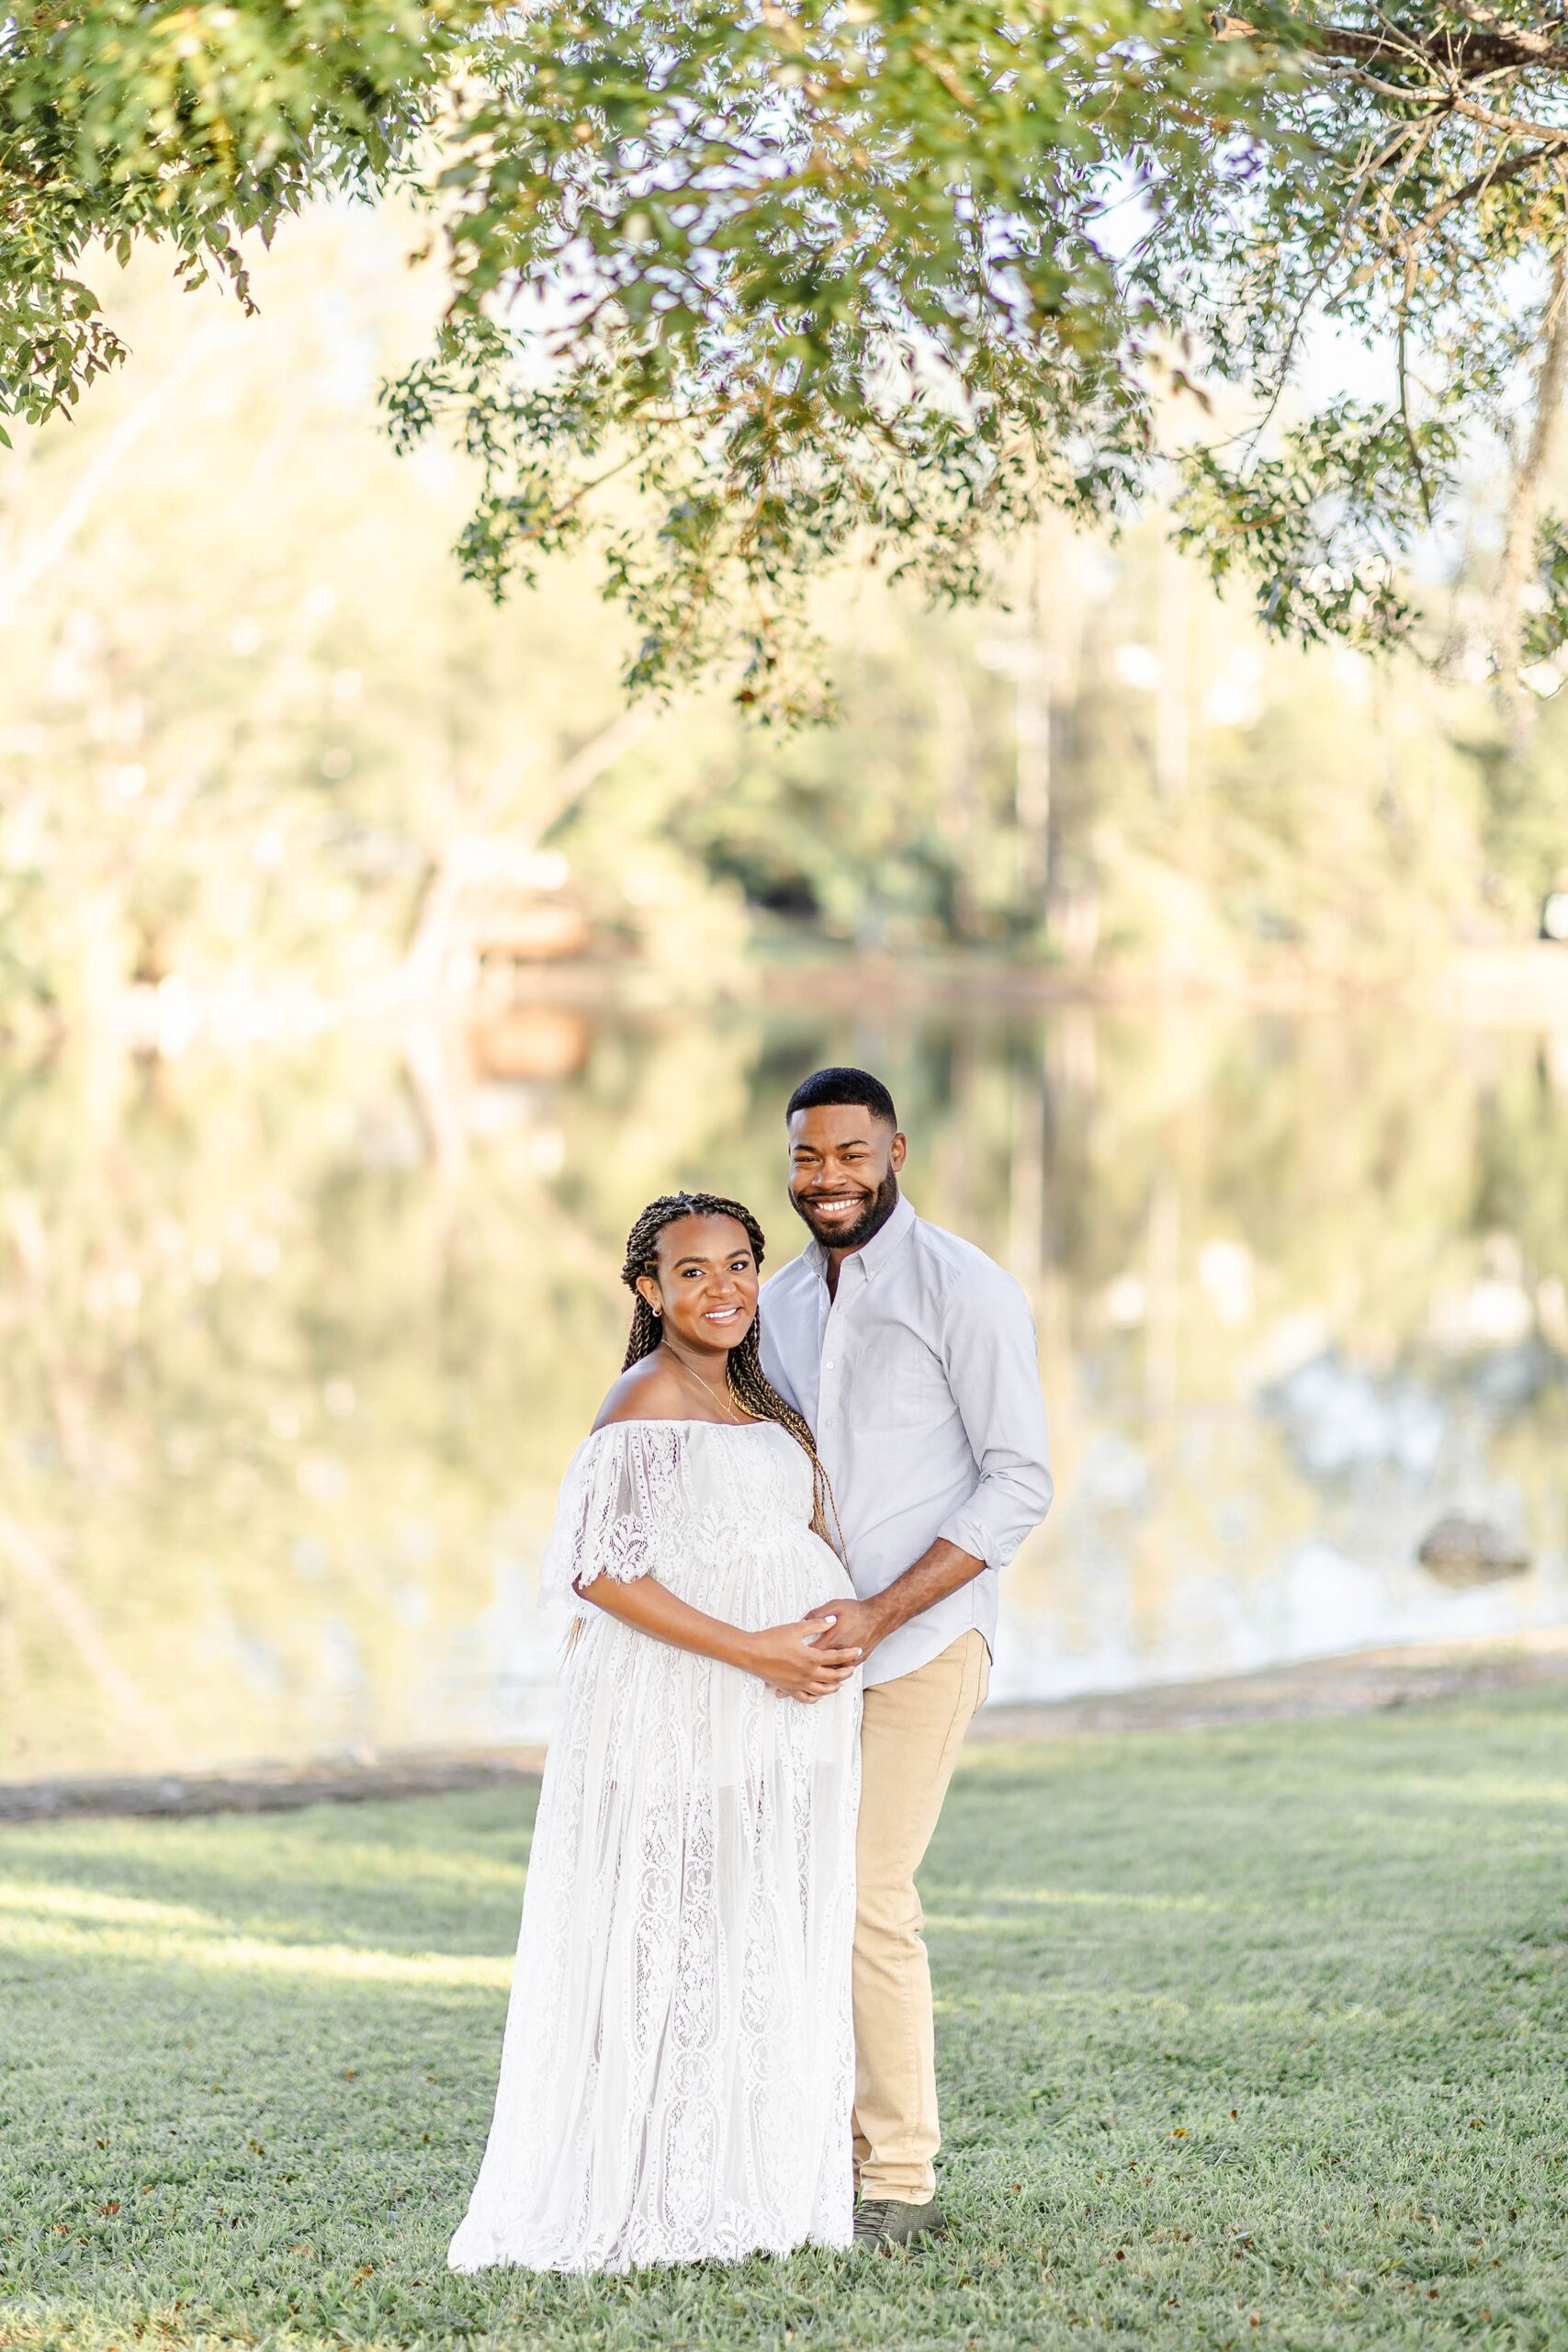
column 803, row 1660
column 653, row 1609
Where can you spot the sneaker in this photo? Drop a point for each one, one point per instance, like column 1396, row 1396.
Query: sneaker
column 884, row 2220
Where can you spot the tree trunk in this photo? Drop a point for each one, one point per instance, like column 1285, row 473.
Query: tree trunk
column 1172, row 750
column 959, row 802
column 464, row 853
column 1525, row 503
column 41, row 556
column 1032, row 792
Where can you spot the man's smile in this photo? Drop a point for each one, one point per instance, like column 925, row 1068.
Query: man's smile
column 836, row 1207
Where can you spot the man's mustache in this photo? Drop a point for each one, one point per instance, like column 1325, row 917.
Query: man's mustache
column 875, row 1208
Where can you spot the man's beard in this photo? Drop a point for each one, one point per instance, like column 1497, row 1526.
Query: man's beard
column 871, row 1219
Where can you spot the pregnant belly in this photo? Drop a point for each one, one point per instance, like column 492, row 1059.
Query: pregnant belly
column 764, row 1584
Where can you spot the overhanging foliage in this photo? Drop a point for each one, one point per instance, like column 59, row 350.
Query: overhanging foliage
column 737, row 289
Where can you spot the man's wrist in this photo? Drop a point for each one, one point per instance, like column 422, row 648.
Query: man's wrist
column 885, row 1614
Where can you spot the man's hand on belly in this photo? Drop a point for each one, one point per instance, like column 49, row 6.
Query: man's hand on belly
column 939, row 1571
column 861, row 1624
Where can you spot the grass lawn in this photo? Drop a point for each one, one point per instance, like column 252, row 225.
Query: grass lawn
column 1247, row 2038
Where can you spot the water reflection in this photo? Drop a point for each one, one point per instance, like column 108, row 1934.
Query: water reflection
column 295, row 1349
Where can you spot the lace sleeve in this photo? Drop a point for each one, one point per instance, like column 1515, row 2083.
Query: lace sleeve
column 619, row 1502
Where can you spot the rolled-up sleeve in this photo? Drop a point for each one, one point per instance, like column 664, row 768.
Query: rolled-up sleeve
column 993, row 1368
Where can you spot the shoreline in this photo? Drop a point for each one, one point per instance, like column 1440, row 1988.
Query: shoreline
column 1507, row 984
column 1351, row 1682
column 1359, row 1682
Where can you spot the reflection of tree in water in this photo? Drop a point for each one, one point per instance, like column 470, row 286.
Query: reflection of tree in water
column 286, row 1378
column 287, row 1387
column 1521, row 1151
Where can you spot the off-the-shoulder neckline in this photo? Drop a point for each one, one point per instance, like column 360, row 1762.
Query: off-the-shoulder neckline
column 679, row 1422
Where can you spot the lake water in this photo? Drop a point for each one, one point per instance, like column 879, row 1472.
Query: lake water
column 297, row 1344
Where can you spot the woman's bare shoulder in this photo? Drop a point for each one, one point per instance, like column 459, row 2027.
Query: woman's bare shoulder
column 649, row 1391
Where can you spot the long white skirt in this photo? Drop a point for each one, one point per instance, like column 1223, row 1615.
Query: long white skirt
column 678, row 2072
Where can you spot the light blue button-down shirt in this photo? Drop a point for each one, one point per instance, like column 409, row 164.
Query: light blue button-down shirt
column 920, row 1381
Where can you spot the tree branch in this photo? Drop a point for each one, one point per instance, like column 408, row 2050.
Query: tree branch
column 1494, row 174
column 1524, row 504
column 1417, row 466
column 1485, row 50
column 1385, row 154
column 1540, row 48
column 1551, row 135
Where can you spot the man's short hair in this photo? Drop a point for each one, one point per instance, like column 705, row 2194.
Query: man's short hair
column 842, row 1085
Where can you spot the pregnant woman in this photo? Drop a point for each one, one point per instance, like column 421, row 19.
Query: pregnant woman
column 678, row 2070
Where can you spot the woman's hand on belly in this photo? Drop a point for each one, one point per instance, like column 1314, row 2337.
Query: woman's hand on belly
column 802, row 1660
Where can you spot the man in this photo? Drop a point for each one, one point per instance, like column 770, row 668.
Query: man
column 913, row 1357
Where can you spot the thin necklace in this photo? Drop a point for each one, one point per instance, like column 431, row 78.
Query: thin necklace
column 707, row 1387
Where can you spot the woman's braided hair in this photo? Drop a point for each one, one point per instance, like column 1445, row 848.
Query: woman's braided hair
column 748, row 1383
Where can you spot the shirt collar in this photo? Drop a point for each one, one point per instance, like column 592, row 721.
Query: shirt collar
column 874, row 1254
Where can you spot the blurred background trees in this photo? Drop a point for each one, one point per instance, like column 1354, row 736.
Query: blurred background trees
column 249, row 706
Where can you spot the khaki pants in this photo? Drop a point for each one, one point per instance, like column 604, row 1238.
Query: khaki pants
column 911, row 1731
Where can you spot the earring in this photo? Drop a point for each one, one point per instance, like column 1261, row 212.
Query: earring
column 658, row 1310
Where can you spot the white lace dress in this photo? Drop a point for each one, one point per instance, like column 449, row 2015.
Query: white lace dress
column 678, row 2067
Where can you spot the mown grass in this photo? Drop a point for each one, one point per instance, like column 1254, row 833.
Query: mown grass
column 1249, row 2038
